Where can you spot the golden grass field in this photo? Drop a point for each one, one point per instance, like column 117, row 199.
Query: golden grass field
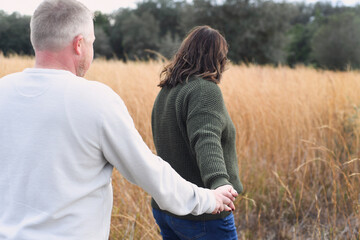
column 298, row 143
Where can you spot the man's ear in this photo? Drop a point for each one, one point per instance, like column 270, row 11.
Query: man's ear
column 77, row 42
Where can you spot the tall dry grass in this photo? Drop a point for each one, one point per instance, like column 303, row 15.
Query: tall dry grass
column 298, row 141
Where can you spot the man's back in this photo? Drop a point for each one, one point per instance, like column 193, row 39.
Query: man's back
column 60, row 136
column 53, row 175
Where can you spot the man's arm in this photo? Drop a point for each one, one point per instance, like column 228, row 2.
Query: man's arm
column 124, row 148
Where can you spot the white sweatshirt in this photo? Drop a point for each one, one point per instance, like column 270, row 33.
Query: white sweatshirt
column 60, row 136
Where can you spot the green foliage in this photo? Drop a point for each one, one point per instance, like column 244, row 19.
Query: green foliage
column 166, row 13
column 102, row 47
column 169, row 45
column 103, row 21
column 139, row 34
column 15, row 34
column 116, row 35
column 269, row 23
column 299, row 48
column 336, row 43
column 257, row 31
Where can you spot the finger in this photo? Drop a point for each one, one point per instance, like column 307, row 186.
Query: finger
column 234, row 192
column 222, row 207
column 216, row 211
column 232, row 206
column 228, row 195
column 217, row 208
column 227, row 208
column 226, row 200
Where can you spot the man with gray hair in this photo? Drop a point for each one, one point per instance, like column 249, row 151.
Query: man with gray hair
column 61, row 136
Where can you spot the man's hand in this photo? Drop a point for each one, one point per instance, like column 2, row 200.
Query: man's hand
column 224, row 195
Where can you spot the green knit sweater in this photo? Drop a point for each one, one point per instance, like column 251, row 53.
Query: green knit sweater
column 194, row 133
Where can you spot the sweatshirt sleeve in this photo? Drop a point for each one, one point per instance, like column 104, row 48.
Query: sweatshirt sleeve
column 123, row 147
column 205, row 123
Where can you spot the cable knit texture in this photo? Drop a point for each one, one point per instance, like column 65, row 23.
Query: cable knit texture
column 194, row 133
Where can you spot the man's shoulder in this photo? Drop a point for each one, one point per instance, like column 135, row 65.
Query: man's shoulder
column 91, row 84
column 92, row 98
column 7, row 81
column 91, row 88
column 9, row 76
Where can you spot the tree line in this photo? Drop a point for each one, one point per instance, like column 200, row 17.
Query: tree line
column 261, row 32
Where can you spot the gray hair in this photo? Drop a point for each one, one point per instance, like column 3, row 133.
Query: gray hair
column 55, row 23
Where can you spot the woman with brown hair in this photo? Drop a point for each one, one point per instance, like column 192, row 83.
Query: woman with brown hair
column 194, row 133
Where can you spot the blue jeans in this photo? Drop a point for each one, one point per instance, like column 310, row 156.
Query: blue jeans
column 173, row 228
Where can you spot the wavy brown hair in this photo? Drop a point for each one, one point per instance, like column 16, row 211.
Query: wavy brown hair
column 202, row 54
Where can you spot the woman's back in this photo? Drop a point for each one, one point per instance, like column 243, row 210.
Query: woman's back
column 193, row 131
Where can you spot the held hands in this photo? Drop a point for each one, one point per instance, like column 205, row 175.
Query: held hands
column 224, row 195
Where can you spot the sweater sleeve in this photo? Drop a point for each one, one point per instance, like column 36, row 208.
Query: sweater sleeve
column 205, row 123
column 123, row 147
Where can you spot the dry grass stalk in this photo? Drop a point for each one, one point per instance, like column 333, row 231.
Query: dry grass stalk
column 298, row 141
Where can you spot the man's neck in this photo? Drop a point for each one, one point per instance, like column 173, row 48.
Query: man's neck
column 61, row 60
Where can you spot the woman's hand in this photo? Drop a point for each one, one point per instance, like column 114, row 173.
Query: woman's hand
column 225, row 196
